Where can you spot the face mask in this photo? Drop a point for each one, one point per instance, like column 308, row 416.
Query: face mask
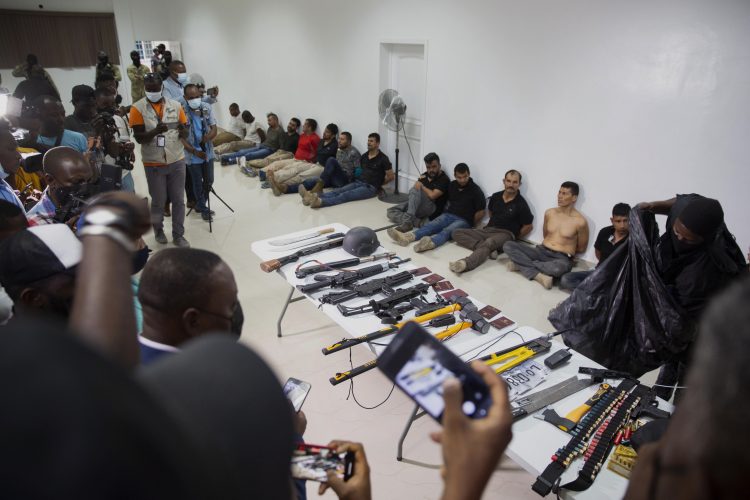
column 58, row 306
column 682, row 247
column 153, row 96
column 194, row 103
column 238, row 319
column 182, row 78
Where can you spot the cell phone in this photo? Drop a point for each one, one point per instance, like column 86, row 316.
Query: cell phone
column 161, row 141
column 310, row 461
column 418, row 363
column 296, row 391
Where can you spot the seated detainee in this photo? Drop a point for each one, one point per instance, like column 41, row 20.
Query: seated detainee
column 608, row 239
column 254, row 134
column 338, row 171
column 235, row 130
column 307, row 150
column 185, row 293
column 262, row 156
column 426, row 198
column 465, row 208
column 376, row 172
column 566, row 233
column 510, row 218
column 289, row 178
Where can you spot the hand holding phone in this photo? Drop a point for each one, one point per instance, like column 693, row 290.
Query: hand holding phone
column 320, row 463
column 296, row 391
column 357, row 487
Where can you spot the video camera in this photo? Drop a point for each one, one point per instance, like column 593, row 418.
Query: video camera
column 75, row 201
column 106, row 128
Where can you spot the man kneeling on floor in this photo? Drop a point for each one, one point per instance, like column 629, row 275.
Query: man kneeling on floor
column 566, row 233
column 510, row 218
column 427, row 197
column 466, row 206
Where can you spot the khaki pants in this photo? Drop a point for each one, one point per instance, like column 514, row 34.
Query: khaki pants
column 233, row 147
column 482, row 241
column 224, row 136
column 275, row 156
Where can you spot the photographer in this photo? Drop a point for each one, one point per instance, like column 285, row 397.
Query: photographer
column 68, row 175
column 159, row 127
column 84, row 110
column 114, row 137
column 202, row 130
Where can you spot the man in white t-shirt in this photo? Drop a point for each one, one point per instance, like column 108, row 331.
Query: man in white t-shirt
column 254, row 135
column 235, row 130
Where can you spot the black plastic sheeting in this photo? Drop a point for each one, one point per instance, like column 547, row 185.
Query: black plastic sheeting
column 623, row 315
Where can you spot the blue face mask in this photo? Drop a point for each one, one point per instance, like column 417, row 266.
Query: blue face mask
column 194, row 103
column 183, row 78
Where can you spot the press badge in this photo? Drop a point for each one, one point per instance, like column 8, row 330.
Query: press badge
column 161, row 141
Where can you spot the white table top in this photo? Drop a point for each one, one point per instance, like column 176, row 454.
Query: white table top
column 534, row 441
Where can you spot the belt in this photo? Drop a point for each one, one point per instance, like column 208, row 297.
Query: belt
column 557, row 251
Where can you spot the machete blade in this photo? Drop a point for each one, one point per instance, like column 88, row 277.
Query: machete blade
column 536, row 401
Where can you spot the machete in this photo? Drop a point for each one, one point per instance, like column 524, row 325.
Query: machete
column 289, row 241
column 538, row 400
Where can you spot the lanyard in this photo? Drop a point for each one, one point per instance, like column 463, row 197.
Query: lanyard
column 158, row 115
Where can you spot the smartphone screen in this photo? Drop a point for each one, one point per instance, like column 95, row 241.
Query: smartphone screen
column 419, row 364
column 312, row 462
column 296, row 391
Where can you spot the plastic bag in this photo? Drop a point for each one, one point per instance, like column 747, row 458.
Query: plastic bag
column 623, row 316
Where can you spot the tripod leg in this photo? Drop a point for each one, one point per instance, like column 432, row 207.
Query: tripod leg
column 207, row 194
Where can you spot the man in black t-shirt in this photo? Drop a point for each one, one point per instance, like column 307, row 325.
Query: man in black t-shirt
column 465, row 208
column 427, row 197
column 375, row 172
column 608, row 239
column 510, row 218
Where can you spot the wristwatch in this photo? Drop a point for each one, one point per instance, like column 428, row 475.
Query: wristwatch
column 100, row 221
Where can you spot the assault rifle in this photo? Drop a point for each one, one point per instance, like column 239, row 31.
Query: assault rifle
column 345, row 278
column 367, row 288
column 274, row 264
column 307, row 271
column 392, row 299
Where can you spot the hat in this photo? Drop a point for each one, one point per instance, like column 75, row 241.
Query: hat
column 703, row 216
column 82, row 92
column 37, row 253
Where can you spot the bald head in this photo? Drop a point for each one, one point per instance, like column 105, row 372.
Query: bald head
column 65, row 168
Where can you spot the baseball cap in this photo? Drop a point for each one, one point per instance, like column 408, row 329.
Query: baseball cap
column 37, row 253
column 82, row 92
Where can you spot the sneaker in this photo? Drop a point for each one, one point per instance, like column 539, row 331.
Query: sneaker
column 304, row 194
column 161, row 237
column 544, row 279
column 180, row 241
column 512, row 267
column 278, row 189
column 405, row 227
column 494, row 255
column 400, row 238
column 424, row 244
column 228, row 161
column 190, row 204
column 265, row 185
column 318, row 187
column 250, row 171
column 315, row 201
column 207, row 215
column 246, row 171
column 457, row 266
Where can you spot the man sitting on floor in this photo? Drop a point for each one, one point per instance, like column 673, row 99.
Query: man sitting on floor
column 235, row 131
column 466, row 205
column 566, row 233
column 185, row 293
column 338, row 171
column 510, row 218
column 307, row 150
column 376, row 172
column 254, row 134
column 289, row 178
column 263, row 156
column 427, row 197
column 608, row 239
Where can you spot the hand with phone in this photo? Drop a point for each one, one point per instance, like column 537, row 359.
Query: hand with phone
column 357, row 487
column 472, row 447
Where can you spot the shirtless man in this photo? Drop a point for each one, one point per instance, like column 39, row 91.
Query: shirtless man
column 566, row 233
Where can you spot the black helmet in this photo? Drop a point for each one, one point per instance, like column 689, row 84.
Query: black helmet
column 361, row 241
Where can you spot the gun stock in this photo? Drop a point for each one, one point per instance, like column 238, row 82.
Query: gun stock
column 270, row 265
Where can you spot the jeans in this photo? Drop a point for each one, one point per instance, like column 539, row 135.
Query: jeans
column 196, row 174
column 163, row 181
column 482, row 242
column 441, row 228
column 570, row 281
column 249, row 154
column 417, row 207
column 357, row 190
column 539, row 259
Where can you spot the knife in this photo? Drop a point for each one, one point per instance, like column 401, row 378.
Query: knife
column 307, row 242
column 538, row 400
column 289, row 241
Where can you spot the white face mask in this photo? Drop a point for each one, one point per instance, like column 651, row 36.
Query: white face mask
column 182, row 78
column 153, row 96
column 194, row 103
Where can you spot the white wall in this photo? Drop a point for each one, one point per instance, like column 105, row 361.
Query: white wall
column 634, row 100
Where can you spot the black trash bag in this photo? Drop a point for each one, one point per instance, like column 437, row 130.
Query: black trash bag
column 622, row 315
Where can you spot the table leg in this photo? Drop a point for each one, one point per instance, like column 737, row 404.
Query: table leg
column 288, row 301
column 415, row 415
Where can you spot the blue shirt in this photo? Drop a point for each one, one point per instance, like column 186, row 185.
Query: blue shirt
column 7, row 194
column 70, row 138
column 199, row 126
column 173, row 90
column 151, row 351
column 43, row 212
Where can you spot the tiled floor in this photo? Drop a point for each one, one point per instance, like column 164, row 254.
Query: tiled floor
column 258, row 215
